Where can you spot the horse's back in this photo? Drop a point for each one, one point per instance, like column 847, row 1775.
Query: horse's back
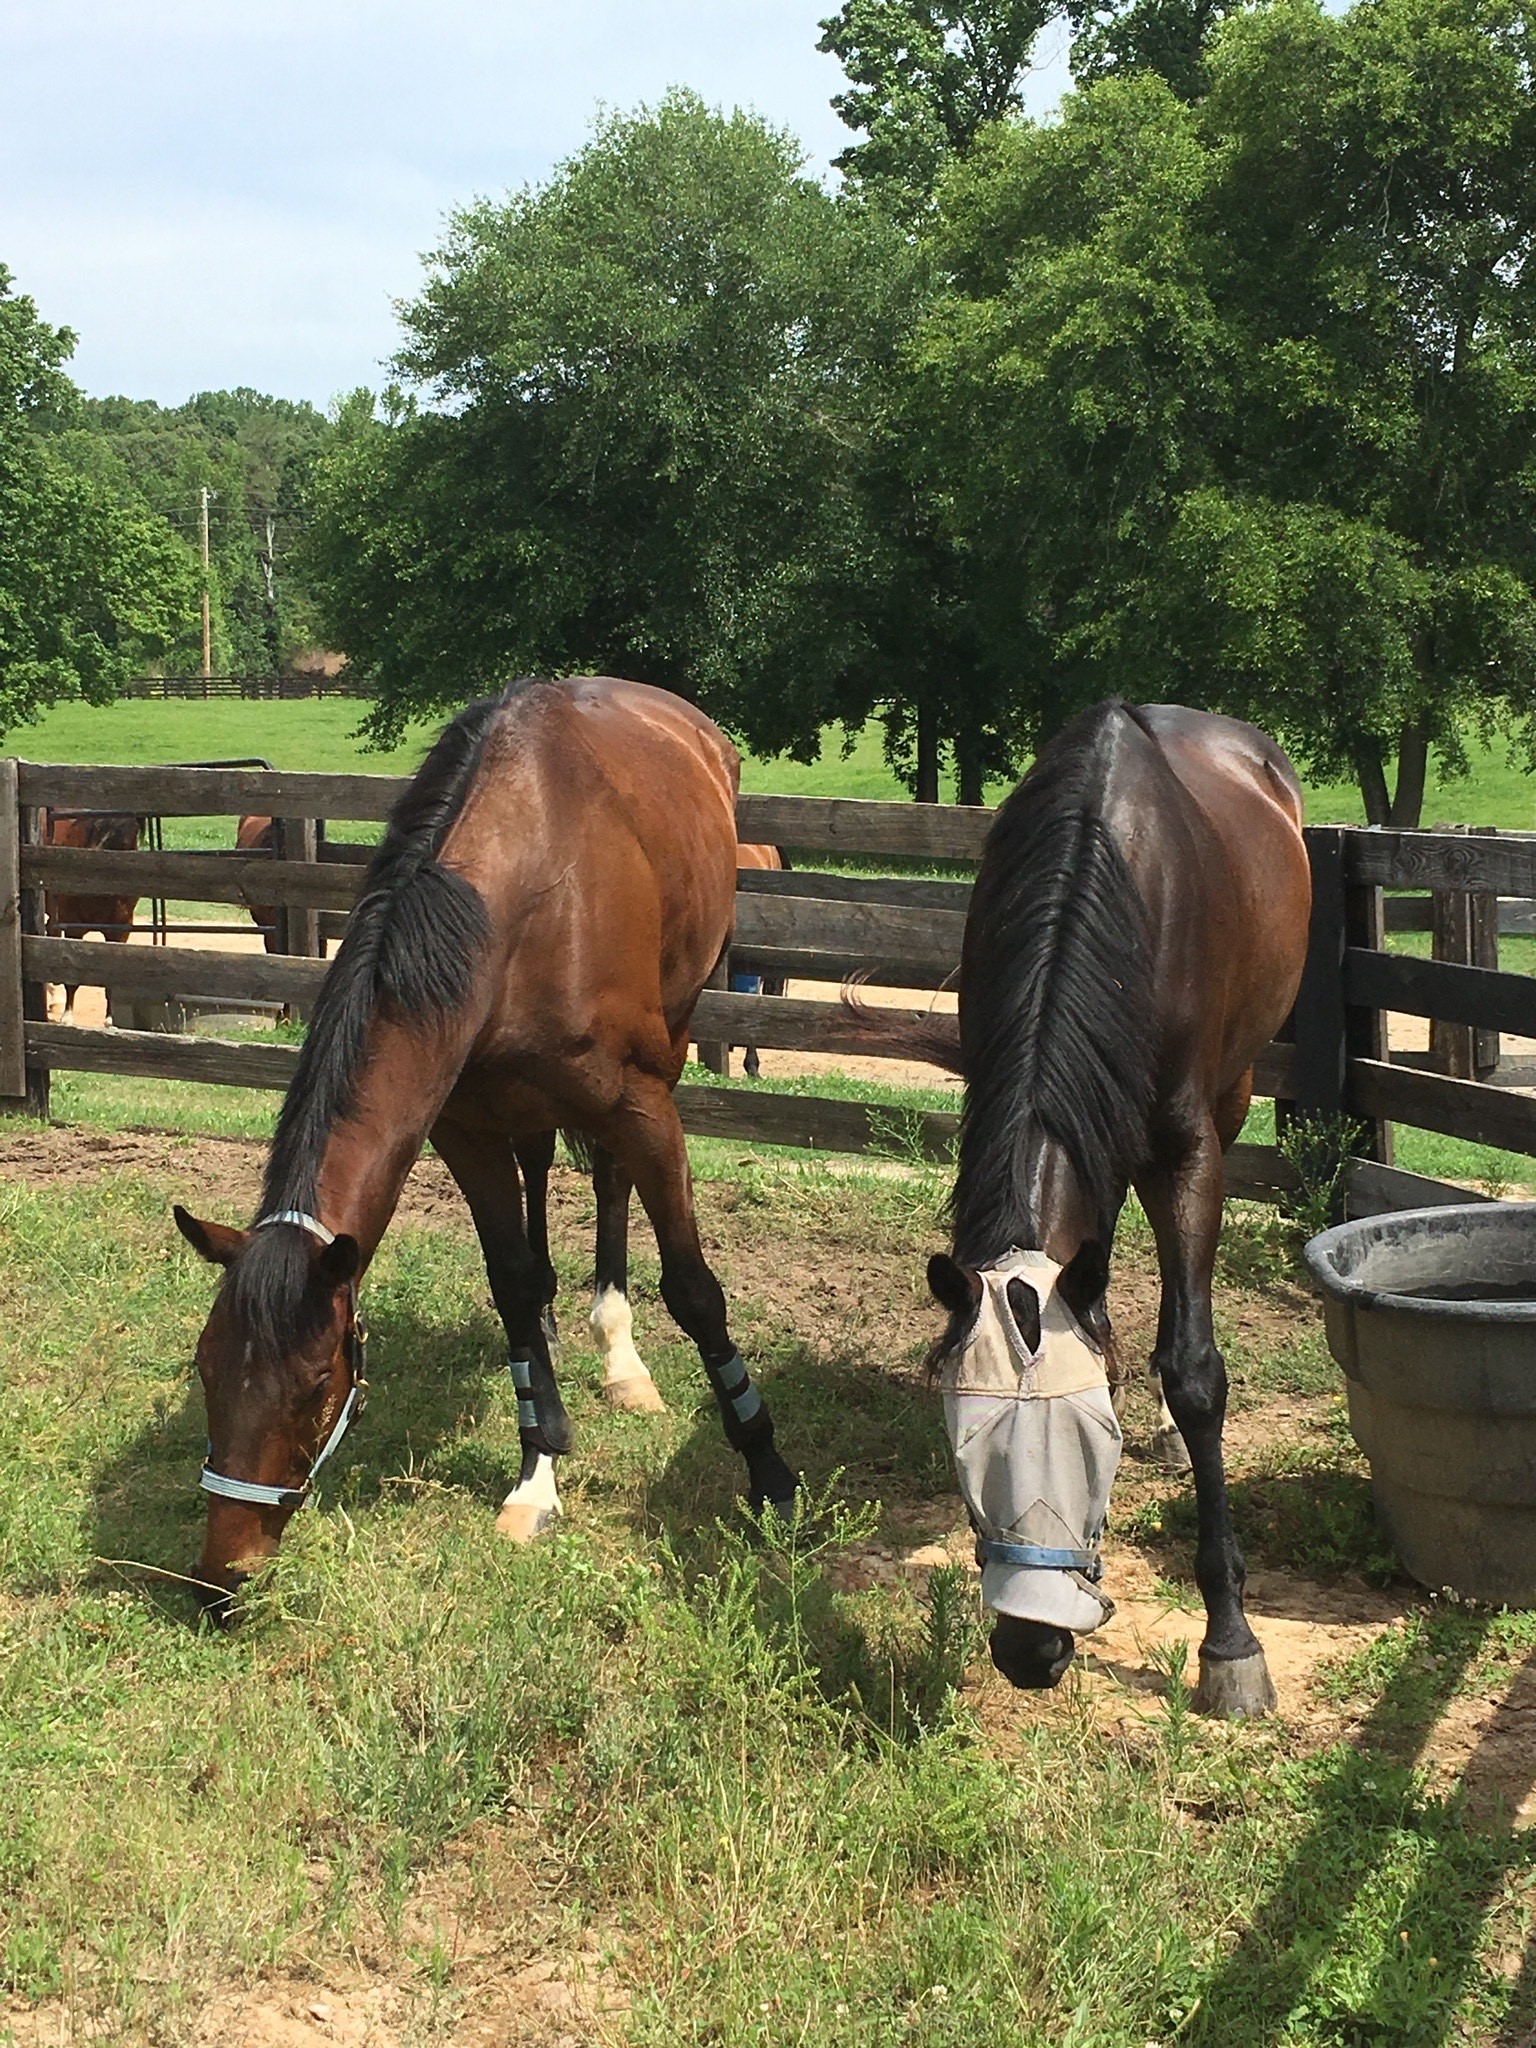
column 601, row 834
column 1227, row 877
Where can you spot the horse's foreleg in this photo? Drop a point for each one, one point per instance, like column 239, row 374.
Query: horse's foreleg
column 626, row 1382
column 647, row 1138
column 1183, row 1201
column 521, row 1287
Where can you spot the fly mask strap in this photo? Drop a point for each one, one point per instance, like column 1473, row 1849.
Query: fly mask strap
column 253, row 1492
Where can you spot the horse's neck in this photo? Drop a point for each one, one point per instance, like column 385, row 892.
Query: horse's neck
column 1059, row 1216
column 399, row 1089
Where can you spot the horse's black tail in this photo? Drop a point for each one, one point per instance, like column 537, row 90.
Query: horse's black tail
column 932, row 1036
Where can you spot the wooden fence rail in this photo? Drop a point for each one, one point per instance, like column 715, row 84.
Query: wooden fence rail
column 902, row 931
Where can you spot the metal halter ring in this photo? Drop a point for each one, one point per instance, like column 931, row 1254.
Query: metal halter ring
column 252, row 1492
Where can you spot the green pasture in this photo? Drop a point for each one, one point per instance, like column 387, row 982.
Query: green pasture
column 766, row 1807
column 319, row 734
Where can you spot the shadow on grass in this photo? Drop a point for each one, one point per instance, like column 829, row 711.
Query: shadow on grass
column 883, row 1433
column 1380, row 1849
column 431, row 1392
column 1320, row 1521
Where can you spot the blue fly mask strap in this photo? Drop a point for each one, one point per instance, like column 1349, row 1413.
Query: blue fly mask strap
column 252, row 1491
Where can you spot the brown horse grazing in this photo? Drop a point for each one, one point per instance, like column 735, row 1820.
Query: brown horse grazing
column 1135, row 938
column 769, row 859
column 553, row 891
column 72, row 917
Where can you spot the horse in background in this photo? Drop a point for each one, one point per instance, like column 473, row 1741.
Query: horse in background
column 259, row 835
column 554, row 889
column 71, row 916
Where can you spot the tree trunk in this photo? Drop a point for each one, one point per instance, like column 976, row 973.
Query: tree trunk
column 969, row 771
column 1372, row 778
column 1412, row 767
column 927, row 755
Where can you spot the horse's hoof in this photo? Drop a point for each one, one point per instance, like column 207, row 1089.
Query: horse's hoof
column 1170, row 1450
column 524, row 1521
column 636, row 1394
column 1234, row 1688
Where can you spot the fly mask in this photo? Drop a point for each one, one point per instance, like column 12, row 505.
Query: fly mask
column 1036, row 1446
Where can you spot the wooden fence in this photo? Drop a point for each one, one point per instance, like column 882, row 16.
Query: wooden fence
column 893, row 930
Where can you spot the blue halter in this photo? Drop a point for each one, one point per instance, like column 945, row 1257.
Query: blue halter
column 252, row 1491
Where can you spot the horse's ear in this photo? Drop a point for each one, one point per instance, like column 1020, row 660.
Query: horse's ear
column 218, row 1243
column 1084, row 1282
column 341, row 1260
column 953, row 1286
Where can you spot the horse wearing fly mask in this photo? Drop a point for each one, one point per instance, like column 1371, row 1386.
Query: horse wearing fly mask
column 552, row 893
column 1135, row 938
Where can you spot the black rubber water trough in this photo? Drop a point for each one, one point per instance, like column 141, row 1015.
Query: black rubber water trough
column 1432, row 1315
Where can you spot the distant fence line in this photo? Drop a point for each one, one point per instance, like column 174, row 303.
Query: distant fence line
column 244, row 686
column 897, row 931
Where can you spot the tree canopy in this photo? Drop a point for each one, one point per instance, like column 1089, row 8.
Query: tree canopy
column 91, row 586
column 648, row 392
column 1235, row 398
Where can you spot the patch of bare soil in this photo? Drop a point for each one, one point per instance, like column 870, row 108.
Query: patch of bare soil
column 496, row 1967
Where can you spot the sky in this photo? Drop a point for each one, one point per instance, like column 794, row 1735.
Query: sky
column 222, row 192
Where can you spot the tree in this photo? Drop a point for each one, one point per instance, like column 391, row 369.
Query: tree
column 253, row 453
column 925, row 77
column 92, row 585
column 1169, row 37
column 1234, row 401
column 638, row 417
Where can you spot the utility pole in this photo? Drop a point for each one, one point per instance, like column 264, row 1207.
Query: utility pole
column 207, row 634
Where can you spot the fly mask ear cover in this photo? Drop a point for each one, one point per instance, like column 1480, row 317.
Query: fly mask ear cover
column 1036, row 1448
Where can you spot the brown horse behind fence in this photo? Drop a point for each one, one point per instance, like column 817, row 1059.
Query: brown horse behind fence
column 259, row 835
column 553, row 891
column 75, row 916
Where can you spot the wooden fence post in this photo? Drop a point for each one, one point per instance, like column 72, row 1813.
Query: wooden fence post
column 715, row 1053
column 298, row 839
column 1485, row 953
column 13, row 1074
column 32, row 922
column 1329, row 1031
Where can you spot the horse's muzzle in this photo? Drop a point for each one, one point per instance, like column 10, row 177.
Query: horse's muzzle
column 218, row 1605
column 1032, row 1655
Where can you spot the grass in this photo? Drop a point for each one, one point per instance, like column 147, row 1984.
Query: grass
column 318, row 734
column 761, row 1799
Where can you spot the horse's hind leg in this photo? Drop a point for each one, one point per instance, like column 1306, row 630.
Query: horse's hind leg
column 648, row 1138
column 522, row 1286
column 1183, row 1201
column 626, row 1382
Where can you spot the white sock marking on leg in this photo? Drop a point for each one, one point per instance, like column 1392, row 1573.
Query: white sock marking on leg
column 626, row 1383
column 538, row 1490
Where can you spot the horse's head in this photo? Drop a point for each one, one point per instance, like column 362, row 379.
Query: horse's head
column 1024, row 1367
column 280, row 1358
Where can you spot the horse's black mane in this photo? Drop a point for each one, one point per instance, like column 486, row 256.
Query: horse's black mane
column 411, row 948
column 1056, row 1000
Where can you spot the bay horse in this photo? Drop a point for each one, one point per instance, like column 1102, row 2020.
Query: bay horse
column 553, row 890
column 255, row 834
column 1135, row 938
column 73, row 916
